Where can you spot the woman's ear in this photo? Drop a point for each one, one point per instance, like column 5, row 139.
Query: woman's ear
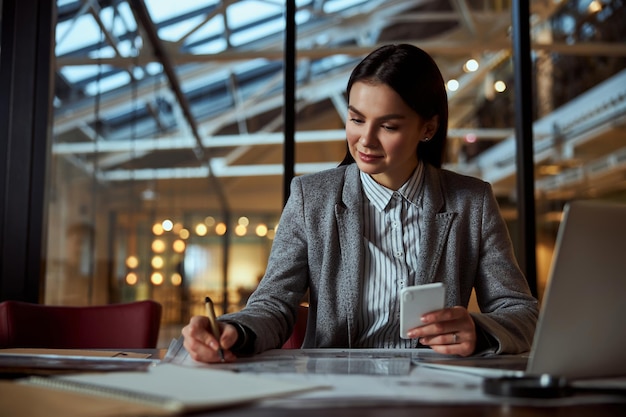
column 431, row 126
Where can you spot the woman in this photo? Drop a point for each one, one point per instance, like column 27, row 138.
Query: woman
column 388, row 217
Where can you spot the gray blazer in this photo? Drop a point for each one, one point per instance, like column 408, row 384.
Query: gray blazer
column 318, row 248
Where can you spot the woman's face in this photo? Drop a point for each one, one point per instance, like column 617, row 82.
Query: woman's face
column 383, row 133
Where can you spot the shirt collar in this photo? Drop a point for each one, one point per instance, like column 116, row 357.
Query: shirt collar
column 380, row 195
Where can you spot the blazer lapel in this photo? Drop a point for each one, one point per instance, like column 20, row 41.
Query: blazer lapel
column 350, row 225
column 435, row 226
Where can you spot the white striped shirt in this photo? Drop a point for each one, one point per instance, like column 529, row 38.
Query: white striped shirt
column 391, row 244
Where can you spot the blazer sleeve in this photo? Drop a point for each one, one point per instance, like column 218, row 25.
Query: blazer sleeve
column 508, row 310
column 271, row 310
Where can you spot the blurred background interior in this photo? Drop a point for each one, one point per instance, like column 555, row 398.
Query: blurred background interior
column 166, row 169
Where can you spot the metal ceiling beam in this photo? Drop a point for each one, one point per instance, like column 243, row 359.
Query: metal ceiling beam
column 586, row 112
column 611, row 164
column 220, row 169
column 252, row 139
column 95, row 11
column 466, row 15
column 160, row 52
column 437, row 47
column 162, row 56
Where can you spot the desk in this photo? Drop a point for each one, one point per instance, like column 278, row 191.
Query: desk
column 597, row 410
column 382, row 383
column 312, row 363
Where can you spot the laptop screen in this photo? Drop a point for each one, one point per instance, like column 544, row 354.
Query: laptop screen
column 580, row 332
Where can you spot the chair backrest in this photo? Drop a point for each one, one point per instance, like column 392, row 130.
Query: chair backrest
column 115, row 326
column 299, row 329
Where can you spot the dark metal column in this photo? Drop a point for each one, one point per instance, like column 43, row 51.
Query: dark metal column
column 25, row 121
column 524, row 140
column 289, row 110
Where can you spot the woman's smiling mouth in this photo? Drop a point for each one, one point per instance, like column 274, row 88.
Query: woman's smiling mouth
column 368, row 157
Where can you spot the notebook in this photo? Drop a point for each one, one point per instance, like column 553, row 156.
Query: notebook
column 165, row 389
column 580, row 331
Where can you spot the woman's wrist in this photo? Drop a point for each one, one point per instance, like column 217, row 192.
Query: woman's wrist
column 245, row 339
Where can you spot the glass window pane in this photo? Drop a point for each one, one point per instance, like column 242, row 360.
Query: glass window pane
column 134, row 212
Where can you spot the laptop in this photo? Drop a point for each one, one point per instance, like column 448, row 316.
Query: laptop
column 580, row 332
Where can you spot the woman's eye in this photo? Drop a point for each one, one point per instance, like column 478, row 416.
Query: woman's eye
column 389, row 128
column 356, row 121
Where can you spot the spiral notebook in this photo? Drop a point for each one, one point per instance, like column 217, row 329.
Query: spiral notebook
column 163, row 389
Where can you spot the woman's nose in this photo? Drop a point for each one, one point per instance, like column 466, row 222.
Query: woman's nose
column 368, row 138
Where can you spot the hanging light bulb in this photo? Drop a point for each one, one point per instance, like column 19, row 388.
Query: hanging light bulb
column 156, row 278
column 201, row 229
column 176, row 279
column 131, row 278
column 179, row 246
column 157, row 262
column 261, row 230
column 132, row 262
column 220, row 229
column 157, row 229
column 167, row 225
column 471, row 65
column 452, row 85
column 158, row 246
column 241, row 230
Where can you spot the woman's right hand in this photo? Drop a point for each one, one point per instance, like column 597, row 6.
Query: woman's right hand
column 203, row 346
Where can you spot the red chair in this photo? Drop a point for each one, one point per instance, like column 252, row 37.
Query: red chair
column 115, row 326
column 299, row 329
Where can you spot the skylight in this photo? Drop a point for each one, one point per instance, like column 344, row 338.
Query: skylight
column 246, row 12
column 161, row 10
column 72, row 35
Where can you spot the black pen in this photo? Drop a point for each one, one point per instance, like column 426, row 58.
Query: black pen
column 210, row 312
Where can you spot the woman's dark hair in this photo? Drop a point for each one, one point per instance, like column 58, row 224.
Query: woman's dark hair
column 414, row 75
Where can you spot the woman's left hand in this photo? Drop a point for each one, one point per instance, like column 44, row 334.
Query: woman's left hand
column 450, row 331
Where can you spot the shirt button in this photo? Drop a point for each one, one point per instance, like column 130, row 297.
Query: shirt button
column 398, row 254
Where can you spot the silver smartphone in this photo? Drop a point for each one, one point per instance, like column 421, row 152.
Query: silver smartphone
column 418, row 300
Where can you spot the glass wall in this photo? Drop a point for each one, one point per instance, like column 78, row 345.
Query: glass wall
column 581, row 99
column 166, row 174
